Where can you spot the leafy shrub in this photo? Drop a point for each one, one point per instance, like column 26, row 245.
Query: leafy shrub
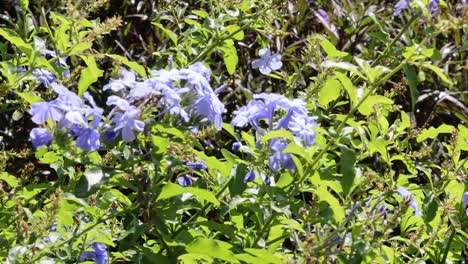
column 233, row 131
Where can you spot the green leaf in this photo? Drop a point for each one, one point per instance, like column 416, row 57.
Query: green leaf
column 263, row 256
column 213, row 248
column 79, row 48
column 277, row 134
column 89, row 75
column 333, row 202
column 367, row 107
column 230, row 57
column 195, row 258
column 237, row 185
column 50, row 157
column 348, row 86
column 412, row 78
column 131, row 64
column 407, row 161
column 347, row 170
column 344, row 66
column 16, row 40
column 166, row 31
column 434, row 132
column 9, row 179
column 329, row 92
column 379, row 145
column 239, row 35
column 443, row 76
column 171, row 190
column 162, row 128
column 331, row 50
column 30, row 97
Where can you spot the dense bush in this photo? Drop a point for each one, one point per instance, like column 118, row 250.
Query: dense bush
column 247, row 131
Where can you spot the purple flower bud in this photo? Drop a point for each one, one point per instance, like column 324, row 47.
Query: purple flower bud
column 185, row 180
column 196, row 165
column 236, row 146
column 250, row 176
column 323, row 14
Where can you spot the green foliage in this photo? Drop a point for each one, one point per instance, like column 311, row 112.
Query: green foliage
column 389, row 93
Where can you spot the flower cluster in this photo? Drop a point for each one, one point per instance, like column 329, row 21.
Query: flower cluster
column 296, row 120
column 70, row 112
column 83, row 119
column 193, row 88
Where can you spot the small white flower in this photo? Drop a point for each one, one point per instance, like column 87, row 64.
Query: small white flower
column 268, row 62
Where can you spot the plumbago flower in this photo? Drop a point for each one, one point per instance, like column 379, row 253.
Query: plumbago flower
column 83, row 119
column 70, row 112
column 183, row 92
column 296, row 120
column 268, row 62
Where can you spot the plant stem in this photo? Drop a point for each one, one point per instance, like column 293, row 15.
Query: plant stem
column 265, row 227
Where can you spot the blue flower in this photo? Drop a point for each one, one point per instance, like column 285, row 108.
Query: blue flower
column 206, row 101
column 67, row 100
column 250, row 114
column 42, row 111
column 126, row 123
column 400, row 6
column 99, row 255
column 196, row 165
column 402, row 191
column 268, row 62
column 209, row 106
column 250, row 176
column 128, row 80
column 120, row 103
column 302, row 127
column 185, row 180
column 88, row 139
column 278, row 159
column 44, row 76
column 40, row 136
